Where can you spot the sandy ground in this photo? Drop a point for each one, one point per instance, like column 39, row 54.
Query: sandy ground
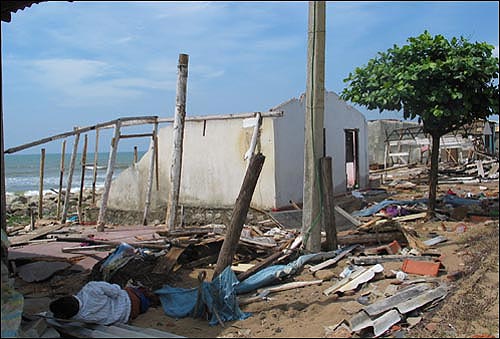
column 471, row 308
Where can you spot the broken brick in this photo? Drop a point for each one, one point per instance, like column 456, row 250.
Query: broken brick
column 421, row 267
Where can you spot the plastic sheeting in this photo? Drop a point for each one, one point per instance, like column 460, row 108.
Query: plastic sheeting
column 377, row 207
column 220, row 294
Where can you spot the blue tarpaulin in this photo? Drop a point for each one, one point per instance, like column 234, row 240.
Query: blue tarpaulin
column 216, row 296
column 377, row 207
column 220, row 294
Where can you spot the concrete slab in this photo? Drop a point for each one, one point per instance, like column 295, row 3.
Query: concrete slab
column 40, row 270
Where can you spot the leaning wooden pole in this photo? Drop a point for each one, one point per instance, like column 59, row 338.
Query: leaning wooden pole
column 61, row 177
column 40, row 191
column 82, row 179
column 178, row 136
column 328, row 204
column 150, row 177
column 239, row 215
column 94, row 174
column 70, row 178
column 109, row 177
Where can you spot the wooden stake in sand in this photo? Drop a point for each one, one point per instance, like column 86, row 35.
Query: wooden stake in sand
column 40, row 192
column 70, row 178
column 61, row 175
column 178, row 129
column 109, row 176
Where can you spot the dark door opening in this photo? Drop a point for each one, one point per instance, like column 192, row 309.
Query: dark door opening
column 351, row 158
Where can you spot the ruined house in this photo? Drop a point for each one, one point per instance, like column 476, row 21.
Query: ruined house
column 213, row 165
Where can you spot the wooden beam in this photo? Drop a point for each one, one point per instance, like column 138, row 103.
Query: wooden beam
column 178, row 136
column 94, row 174
column 109, row 177
column 233, row 233
column 150, row 177
column 328, row 204
column 70, row 178
column 40, row 190
column 82, row 180
column 61, row 175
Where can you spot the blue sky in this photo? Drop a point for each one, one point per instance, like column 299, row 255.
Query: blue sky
column 80, row 63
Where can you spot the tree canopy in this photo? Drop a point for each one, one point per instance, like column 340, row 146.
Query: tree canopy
column 445, row 83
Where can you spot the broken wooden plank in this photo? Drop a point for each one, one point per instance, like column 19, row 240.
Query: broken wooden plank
column 167, row 262
column 333, row 260
column 410, row 217
column 292, row 285
column 377, row 259
column 368, row 224
column 24, row 239
column 85, row 248
column 346, row 215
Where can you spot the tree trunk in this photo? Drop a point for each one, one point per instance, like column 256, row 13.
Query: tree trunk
column 433, row 176
column 239, row 215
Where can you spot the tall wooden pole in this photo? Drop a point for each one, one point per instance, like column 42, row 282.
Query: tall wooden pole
column 94, row 174
column 61, row 176
column 178, row 136
column 109, row 177
column 313, row 138
column 82, row 180
column 239, row 215
column 151, row 174
column 135, row 155
column 40, row 191
column 70, row 178
column 328, row 219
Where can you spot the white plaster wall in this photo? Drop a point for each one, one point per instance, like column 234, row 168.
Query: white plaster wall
column 289, row 139
column 213, row 168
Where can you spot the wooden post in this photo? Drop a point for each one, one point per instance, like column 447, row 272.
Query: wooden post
column 135, row 155
column 40, row 191
column 150, row 177
column 239, row 215
column 70, row 178
column 61, row 175
column 94, row 176
column 82, row 181
column 155, row 138
column 109, row 177
column 328, row 204
column 178, row 136
column 313, row 138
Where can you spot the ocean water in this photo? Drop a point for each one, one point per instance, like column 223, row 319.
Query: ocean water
column 22, row 171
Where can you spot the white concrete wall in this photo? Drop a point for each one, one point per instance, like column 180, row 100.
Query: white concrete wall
column 212, row 167
column 289, row 139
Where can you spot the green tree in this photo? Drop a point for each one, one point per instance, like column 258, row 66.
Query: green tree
column 447, row 84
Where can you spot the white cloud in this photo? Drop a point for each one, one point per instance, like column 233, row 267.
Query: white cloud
column 495, row 51
column 83, row 81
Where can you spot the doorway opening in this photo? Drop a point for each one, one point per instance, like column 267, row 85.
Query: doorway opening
column 352, row 158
